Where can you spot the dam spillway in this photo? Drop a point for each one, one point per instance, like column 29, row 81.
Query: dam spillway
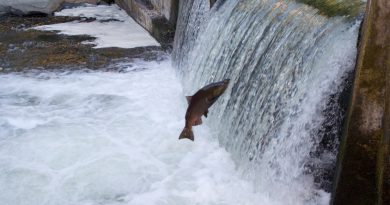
column 288, row 67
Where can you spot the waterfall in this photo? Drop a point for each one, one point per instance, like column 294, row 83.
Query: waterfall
column 286, row 64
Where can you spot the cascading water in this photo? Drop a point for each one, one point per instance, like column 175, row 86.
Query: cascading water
column 285, row 62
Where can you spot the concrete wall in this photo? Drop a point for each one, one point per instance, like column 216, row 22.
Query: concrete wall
column 167, row 9
column 158, row 17
column 362, row 172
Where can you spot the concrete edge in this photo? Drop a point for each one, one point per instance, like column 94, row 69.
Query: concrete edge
column 362, row 173
column 144, row 14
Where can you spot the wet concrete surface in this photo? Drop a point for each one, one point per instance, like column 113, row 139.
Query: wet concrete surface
column 24, row 49
column 363, row 166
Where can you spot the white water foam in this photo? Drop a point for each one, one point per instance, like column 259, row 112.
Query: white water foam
column 109, row 138
column 123, row 33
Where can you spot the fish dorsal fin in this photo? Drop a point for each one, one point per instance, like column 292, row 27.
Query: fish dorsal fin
column 189, row 99
column 205, row 113
column 198, row 122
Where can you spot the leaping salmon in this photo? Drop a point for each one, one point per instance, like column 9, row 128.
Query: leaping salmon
column 198, row 105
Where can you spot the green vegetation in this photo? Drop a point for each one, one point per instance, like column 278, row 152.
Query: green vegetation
column 330, row 8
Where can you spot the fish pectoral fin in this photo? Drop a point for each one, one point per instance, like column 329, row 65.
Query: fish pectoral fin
column 189, row 99
column 205, row 113
column 198, row 122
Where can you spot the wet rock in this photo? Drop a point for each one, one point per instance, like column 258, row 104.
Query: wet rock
column 23, row 49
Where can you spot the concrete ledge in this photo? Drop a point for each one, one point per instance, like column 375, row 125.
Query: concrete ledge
column 362, row 172
column 152, row 17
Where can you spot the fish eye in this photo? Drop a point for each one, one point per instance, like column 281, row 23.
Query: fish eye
column 211, row 100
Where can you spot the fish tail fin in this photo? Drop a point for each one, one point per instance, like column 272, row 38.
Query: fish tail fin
column 187, row 133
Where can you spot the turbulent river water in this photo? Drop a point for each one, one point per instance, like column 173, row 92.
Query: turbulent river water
column 81, row 136
column 109, row 138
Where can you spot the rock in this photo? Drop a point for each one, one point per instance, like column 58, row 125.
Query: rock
column 212, row 2
column 29, row 7
column 23, row 49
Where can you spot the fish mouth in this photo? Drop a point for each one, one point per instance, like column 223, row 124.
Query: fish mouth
column 218, row 88
column 223, row 87
column 225, row 84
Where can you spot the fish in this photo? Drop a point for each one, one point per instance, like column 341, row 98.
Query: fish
column 199, row 105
